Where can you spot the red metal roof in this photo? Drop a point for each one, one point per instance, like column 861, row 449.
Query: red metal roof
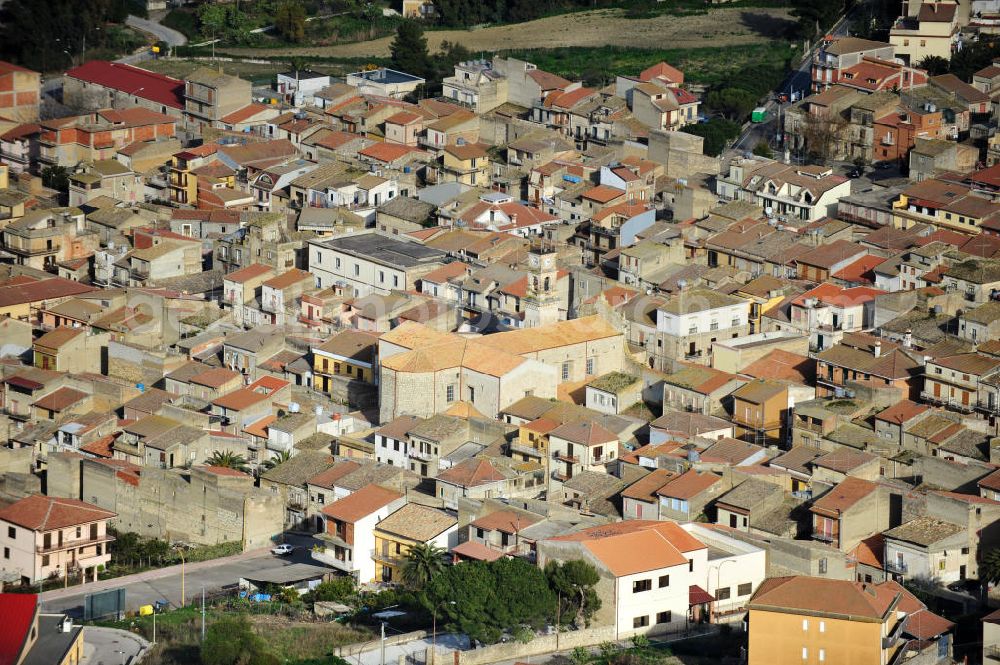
column 133, row 81
column 18, row 617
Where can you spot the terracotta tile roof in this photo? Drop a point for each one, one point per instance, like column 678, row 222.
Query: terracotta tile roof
column 60, row 399
column 388, row 152
column 471, row 473
column 824, row 596
column 902, row 411
column 257, row 391
column 224, row 471
column 781, row 365
column 476, row 551
column 636, row 546
column 843, row 496
column 969, row 363
column 688, row 485
column 584, row 433
column 353, row 344
column 844, row 460
column 215, row 377
column 547, row 80
column 645, row 488
column 730, row 451
column 258, row 428
column 329, row 477
column 398, row 427
column 664, row 71
column 871, row 551
column 690, row 423
column 248, row 273
column 361, row 503
column 289, row 277
column 417, row 523
column 446, row 272
column 602, row 193
column 56, row 338
column 245, row 113
column 991, row 481
column 924, row 531
column 505, row 521
column 699, row 378
column 45, row 513
column 102, row 447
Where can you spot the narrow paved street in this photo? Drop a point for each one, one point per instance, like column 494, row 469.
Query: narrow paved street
column 162, row 32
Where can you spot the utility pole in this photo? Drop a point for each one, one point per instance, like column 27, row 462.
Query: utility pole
column 202, row 612
column 154, row 624
column 383, row 643
column 558, row 613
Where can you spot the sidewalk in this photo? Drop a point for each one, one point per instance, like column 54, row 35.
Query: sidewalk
column 148, row 575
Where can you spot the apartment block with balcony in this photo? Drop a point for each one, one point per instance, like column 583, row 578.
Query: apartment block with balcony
column 475, row 84
column 183, row 181
column 928, row 548
column 98, row 136
column 931, row 31
column 106, row 177
column 42, row 238
column 579, row 446
column 209, row 95
column 348, row 533
column 976, row 279
column 693, row 319
column 760, row 410
column 411, row 525
column 837, row 54
column 848, row 514
column 43, row 537
column 867, row 361
column 957, row 381
column 820, row 620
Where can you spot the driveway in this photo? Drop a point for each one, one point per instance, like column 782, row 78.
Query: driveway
column 110, row 646
column 165, row 583
column 162, row 32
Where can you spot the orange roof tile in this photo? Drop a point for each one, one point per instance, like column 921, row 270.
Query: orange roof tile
column 361, row 503
column 45, row 513
column 637, row 546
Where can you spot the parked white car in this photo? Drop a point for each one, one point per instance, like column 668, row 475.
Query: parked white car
column 282, row 550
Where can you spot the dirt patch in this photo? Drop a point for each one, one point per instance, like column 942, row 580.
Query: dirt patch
column 717, row 27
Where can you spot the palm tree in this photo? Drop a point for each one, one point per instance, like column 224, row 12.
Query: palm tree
column 280, row 458
column 989, row 569
column 423, row 562
column 229, row 460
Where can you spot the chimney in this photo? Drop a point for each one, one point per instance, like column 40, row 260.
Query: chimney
column 908, row 339
column 878, row 348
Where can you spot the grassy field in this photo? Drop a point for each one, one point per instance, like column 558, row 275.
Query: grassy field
column 717, row 27
column 178, row 635
column 706, row 65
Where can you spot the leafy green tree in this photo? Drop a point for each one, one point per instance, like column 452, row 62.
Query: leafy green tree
column 290, row 21
column 734, row 103
column 989, row 568
column 56, row 177
column 231, row 641
column 717, row 132
column 229, row 460
column 338, row 589
column 814, row 16
column 423, row 562
column 935, row 65
column 484, row 599
column 763, row 149
column 409, row 50
column 574, row 581
column 212, row 18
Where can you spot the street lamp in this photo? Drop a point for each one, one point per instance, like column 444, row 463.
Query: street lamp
column 718, row 574
column 434, row 627
column 180, row 551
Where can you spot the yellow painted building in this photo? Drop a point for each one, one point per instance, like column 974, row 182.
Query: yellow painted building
column 411, row 525
column 964, row 214
column 467, row 163
column 349, row 354
column 813, row 620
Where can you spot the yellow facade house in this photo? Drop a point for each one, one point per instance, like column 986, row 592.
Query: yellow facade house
column 411, row 525
column 812, row 620
column 350, row 354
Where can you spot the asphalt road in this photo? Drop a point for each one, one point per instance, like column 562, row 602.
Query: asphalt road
column 799, row 80
column 165, row 584
column 162, row 32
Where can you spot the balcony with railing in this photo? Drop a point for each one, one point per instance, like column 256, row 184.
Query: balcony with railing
column 825, row 536
column 564, row 457
column 992, row 652
column 524, row 450
column 388, row 558
column 950, row 402
column 73, row 544
column 416, row 453
column 896, row 566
